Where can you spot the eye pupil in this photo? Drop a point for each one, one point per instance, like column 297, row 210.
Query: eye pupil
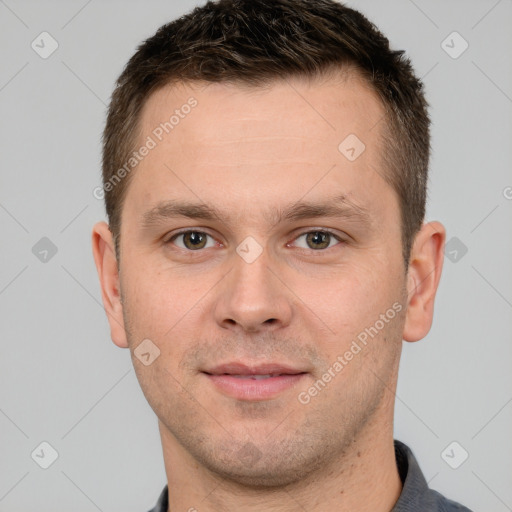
column 318, row 238
column 195, row 238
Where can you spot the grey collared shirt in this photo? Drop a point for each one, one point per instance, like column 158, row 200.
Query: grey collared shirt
column 415, row 496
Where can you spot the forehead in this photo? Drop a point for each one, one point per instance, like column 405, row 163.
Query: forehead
column 316, row 109
column 248, row 145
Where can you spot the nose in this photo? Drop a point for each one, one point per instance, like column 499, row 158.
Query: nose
column 252, row 298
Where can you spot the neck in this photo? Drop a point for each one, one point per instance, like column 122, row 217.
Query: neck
column 362, row 479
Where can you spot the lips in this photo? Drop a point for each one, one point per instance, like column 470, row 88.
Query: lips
column 253, row 382
column 257, row 371
column 256, row 377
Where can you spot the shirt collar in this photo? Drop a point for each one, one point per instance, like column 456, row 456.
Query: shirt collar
column 415, row 487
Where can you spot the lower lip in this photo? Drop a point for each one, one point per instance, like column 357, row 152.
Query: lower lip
column 254, row 389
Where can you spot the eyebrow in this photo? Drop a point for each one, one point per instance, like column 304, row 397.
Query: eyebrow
column 339, row 206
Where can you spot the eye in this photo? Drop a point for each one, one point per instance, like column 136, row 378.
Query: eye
column 318, row 240
column 192, row 240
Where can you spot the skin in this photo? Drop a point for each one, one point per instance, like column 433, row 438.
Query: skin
column 248, row 152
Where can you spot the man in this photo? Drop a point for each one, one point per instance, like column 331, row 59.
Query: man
column 265, row 170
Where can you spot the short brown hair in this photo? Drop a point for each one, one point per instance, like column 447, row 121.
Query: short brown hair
column 253, row 42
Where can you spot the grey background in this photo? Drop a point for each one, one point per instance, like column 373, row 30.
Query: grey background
column 62, row 379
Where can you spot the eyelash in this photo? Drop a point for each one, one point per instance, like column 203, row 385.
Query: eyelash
column 326, row 231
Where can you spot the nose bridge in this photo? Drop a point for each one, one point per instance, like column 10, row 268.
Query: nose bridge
column 251, row 296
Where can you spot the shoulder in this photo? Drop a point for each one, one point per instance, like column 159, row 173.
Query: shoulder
column 162, row 503
column 416, row 495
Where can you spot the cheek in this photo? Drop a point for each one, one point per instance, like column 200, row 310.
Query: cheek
column 150, row 304
column 165, row 308
column 343, row 299
column 348, row 305
column 147, row 287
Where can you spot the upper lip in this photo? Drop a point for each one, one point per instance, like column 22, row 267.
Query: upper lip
column 235, row 368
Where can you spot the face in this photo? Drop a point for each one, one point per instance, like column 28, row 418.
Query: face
column 263, row 261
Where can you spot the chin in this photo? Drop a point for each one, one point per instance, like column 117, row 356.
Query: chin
column 249, row 468
column 263, row 478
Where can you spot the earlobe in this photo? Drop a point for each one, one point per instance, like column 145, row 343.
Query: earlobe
column 106, row 266
column 426, row 263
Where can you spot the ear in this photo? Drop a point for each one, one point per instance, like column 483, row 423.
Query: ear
column 106, row 265
column 425, row 266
